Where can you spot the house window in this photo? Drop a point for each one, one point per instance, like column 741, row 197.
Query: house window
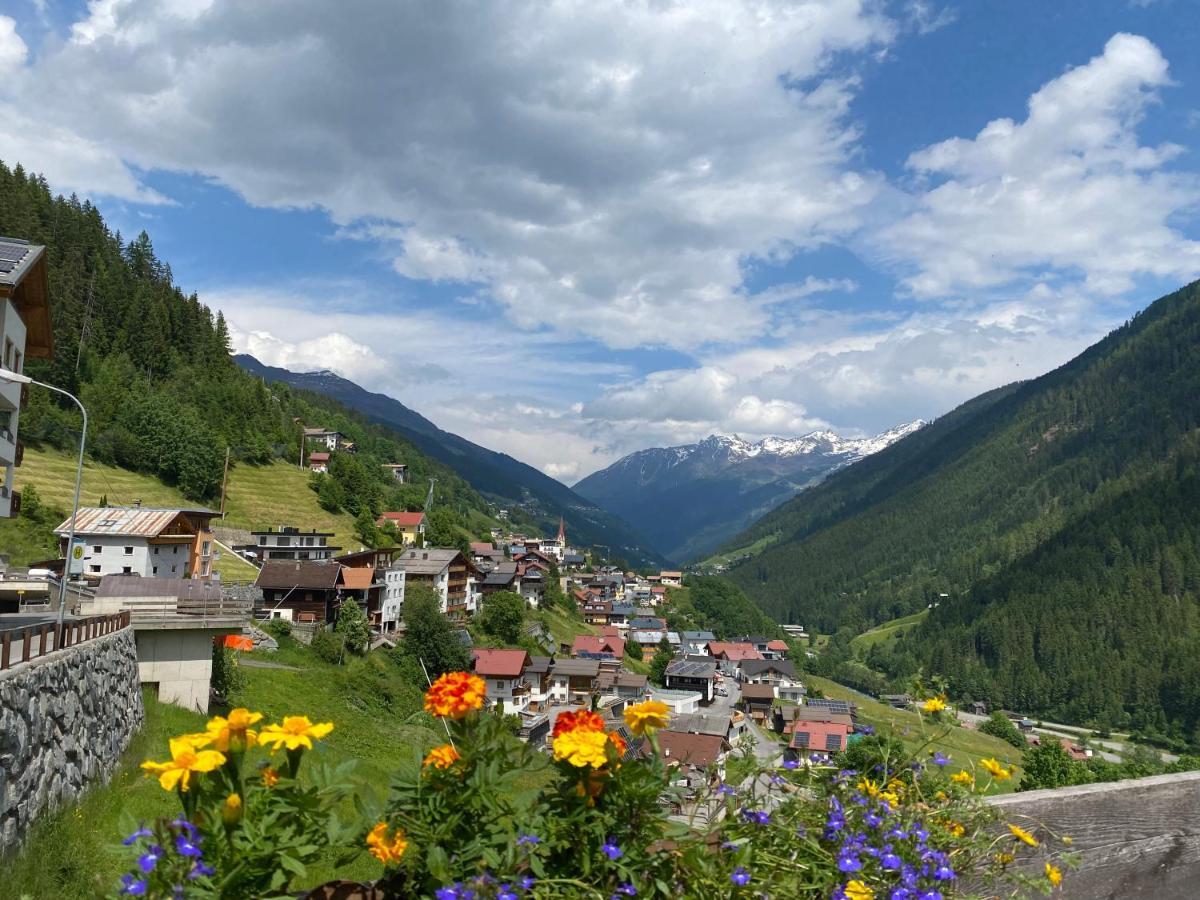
column 156, row 551
column 16, row 361
column 175, row 550
column 97, row 548
column 156, row 570
column 8, row 349
column 126, row 570
column 173, row 570
column 95, row 568
column 129, row 551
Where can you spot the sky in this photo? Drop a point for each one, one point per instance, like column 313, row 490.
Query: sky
column 571, row 229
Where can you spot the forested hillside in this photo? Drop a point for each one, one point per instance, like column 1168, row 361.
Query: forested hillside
column 999, row 506
column 153, row 366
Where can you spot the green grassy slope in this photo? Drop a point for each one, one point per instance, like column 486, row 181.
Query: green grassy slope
column 887, row 633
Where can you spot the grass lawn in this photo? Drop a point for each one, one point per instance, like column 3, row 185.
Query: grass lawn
column 965, row 747
column 888, row 631
column 258, row 497
column 377, row 721
column 723, row 559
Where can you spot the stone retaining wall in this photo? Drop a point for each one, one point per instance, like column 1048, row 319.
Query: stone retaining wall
column 65, row 720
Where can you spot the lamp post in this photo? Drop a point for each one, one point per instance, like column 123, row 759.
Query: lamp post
column 18, row 378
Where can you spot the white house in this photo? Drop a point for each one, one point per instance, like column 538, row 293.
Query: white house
column 330, row 439
column 504, row 673
column 670, row 579
column 392, row 607
column 26, row 332
column 140, row 540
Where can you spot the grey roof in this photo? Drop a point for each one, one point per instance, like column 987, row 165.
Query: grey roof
column 837, row 706
column 692, row 668
column 699, row 636
column 425, row 562
column 577, row 667
column 16, row 257
column 649, row 624
column 539, row 665
column 286, row 574
column 500, row 578
column 700, row 723
column 624, row 609
column 756, row 666
column 643, row 636
column 136, row 586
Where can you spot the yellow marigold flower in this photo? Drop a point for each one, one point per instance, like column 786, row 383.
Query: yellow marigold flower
column 455, row 694
column 1022, row 835
column 647, row 716
column 955, row 828
column 582, row 748
column 385, row 850
column 185, row 759
column 1053, row 874
column 231, row 809
column 962, row 776
column 235, row 731
column 270, row 777
column 1004, row 858
column 868, row 787
column 858, row 890
column 580, row 718
column 941, row 795
column 294, row 732
column 1067, row 840
column 997, row 771
column 442, row 757
column 933, row 705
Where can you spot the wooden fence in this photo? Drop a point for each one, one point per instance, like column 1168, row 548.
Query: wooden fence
column 18, row 645
column 1137, row 838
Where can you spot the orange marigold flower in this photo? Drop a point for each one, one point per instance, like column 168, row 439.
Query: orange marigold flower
column 962, row 776
column 933, row 705
column 996, row 769
column 294, row 732
column 1022, row 835
column 455, row 694
column 270, row 777
column 442, row 757
column 385, row 850
column 578, row 719
column 618, row 742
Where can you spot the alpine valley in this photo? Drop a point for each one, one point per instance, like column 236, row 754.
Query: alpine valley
column 688, row 500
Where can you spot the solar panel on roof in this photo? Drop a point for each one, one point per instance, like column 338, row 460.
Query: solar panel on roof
column 11, row 255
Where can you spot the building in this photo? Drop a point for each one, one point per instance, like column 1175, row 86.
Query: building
column 532, row 584
column 318, row 462
column 25, row 326
column 819, row 734
column 769, row 671
column 625, row 685
column 693, row 674
column 502, row 577
column 410, row 526
column 304, row 591
column 451, row 575
column 537, row 673
column 368, row 577
column 175, row 621
column 574, row 680
column 670, row 579
column 399, row 471
column 757, row 700
column 292, row 543
column 574, row 560
column 503, row 671
column 686, row 750
column 141, row 540
column 590, row 646
column 695, row 643
column 329, row 439
column 730, row 656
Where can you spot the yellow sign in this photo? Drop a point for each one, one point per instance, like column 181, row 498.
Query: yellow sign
column 77, row 551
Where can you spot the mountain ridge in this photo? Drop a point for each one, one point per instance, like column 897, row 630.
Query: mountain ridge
column 490, row 472
column 689, row 498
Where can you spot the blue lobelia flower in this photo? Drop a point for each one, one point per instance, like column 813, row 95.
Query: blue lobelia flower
column 527, row 882
column 201, row 870
column 611, row 850
column 740, row 876
column 148, row 860
column 944, row 873
column 446, row 893
column 505, row 893
column 185, row 846
column 848, row 862
column 941, row 759
column 137, row 836
column 791, row 764
column 131, row 886
column 528, row 840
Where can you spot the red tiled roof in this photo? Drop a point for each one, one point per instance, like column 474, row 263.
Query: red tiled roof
column 318, row 458
column 590, row 643
column 777, row 645
column 734, row 652
column 816, row 736
column 499, row 663
column 402, row 519
column 358, row 578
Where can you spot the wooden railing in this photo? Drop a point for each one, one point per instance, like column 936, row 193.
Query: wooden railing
column 48, row 637
column 1136, row 838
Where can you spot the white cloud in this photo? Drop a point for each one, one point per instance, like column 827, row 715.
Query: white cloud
column 926, row 17
column 12, row 48
column 1070, row 189
column 606, row 169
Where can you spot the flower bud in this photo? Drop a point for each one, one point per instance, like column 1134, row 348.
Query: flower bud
column 231, row 810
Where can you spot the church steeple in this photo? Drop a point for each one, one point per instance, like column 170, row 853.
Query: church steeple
column 562, row 532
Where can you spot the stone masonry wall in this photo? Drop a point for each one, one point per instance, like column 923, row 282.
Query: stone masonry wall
column 65, row 720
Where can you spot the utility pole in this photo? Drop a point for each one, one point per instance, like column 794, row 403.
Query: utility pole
column 224, row 482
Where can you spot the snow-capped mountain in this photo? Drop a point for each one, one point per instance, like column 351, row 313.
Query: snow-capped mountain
column 688, row 499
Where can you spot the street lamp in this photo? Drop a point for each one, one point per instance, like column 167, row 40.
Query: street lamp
column 18, row 378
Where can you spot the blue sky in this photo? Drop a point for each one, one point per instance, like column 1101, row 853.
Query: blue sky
column 570, row 230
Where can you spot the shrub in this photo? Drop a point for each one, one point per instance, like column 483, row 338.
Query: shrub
column 327, row 646
column 353, row 627
column 999, row 725
column 227, row 679
column 277, row 628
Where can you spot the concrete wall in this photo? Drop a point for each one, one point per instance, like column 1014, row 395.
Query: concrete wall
column 1137, row 838
column 65, row 719
column 178, row 663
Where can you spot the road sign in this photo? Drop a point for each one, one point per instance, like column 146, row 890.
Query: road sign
column 76, row 558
